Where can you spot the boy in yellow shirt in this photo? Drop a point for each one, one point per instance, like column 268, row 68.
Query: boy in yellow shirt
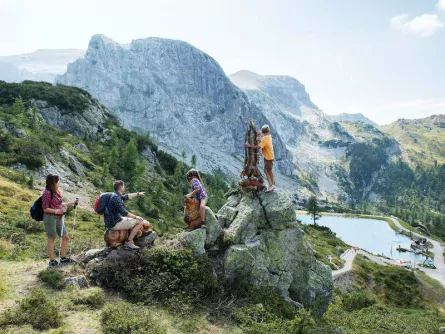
column 267, row 150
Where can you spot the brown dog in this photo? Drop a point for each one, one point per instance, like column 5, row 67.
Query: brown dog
column 191, row 213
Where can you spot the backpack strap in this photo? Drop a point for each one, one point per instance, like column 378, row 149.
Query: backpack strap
column 108, row 202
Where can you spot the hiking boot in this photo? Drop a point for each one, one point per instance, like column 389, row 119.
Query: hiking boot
column 131, row 245
column 203, row 224
column 53, row 264
column 64, row 260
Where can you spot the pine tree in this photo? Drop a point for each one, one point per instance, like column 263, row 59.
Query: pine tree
column 193, row 160
column 35, row 118
column 86, row 136
column 18, row 107
column 313, row 209
column 178, row 171
column 114, row 159
column 130, row 159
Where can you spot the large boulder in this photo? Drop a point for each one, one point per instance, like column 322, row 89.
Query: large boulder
column 195, row 240
column 269, row 252
column 213, row 229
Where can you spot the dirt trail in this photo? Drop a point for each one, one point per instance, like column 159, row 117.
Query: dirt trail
column 18, row 278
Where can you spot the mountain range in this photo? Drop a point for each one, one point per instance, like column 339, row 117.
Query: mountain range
column 41, row 65
column 183, row 98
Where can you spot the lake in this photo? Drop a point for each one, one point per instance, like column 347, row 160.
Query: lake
column 372, row 235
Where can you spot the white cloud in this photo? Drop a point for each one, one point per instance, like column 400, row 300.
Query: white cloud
column 424, row 25
column 441, row 4
column 389, row 112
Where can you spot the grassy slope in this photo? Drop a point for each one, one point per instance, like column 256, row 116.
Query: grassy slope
column 19, row 278
column 404, row 302
column 421, row 138
column 361, row 130
column 324, row 243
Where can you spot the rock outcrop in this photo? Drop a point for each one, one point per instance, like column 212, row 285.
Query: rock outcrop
column 91, row 119
column 260, row 245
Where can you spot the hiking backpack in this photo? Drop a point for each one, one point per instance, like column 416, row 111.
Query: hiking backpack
column 100, row 205
column 36, row 210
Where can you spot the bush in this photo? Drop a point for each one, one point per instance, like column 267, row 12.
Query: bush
column 168, row 162
column 356, row 301
column 37, row 310
column 397, row 286
column 161, row 275
column 28, row 224
column 255, row 319
column 52, row 277
column 123, row 318
column 94, row 297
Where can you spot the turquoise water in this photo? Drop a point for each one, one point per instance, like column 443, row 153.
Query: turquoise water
column 372, row 235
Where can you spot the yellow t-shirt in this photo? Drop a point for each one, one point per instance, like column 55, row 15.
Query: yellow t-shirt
column 267, row 147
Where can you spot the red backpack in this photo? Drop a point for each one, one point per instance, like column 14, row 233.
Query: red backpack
column 101, row 202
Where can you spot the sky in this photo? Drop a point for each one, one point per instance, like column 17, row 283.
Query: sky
column 385, row 59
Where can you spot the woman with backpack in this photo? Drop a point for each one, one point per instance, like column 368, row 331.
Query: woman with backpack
column 53, row 211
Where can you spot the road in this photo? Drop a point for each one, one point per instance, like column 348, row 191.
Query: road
column 349, row 257
column 438, row 273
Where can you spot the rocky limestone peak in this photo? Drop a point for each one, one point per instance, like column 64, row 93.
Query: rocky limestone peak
column 176, row 92
column 287, row 91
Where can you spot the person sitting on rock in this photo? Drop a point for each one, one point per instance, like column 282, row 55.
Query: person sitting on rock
column 116, row 217
column 53, row 211
column 267, row 150
column 194, row 179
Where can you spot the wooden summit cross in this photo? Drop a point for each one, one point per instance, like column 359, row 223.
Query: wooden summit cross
column 251, row 178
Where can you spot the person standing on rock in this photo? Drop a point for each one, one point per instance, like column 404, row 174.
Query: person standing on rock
column 53, row 211
column 266, row 147
column 116, row 217
column 194, row 179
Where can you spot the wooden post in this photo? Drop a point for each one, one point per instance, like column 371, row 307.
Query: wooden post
column 251, row 177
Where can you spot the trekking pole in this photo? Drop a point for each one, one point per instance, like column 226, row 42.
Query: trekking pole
column 74, row 225
column 62, row 227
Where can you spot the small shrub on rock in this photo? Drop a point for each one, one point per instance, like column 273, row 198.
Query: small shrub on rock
column 94, row 297
column 123, row 318
column 37, row 310
column 53, row 278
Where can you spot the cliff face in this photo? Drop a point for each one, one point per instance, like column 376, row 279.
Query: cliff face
column 177, row 93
